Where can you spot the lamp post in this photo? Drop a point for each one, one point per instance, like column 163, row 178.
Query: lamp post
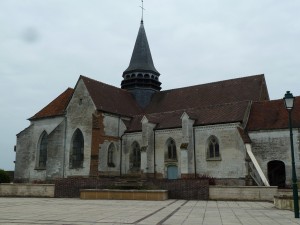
column 289, row 105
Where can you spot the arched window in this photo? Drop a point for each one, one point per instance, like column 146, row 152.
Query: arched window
column 171, row 149
column 135, row 158
column 147, row 75
column 213, row 151
column 110, row 155
column 140, row 75
column 76, row 159
column 43, row 151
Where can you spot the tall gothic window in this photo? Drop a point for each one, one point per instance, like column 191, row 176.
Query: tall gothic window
column 42, row 156
column 136, row 156
column 77, row 151
column 110, row 155
column 171, row 149
column 213, row 151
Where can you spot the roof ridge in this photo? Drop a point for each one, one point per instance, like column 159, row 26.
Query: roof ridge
column 102, row 83
column 273, row 100
column 214, row 82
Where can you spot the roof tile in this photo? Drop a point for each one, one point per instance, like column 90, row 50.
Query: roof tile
column 217, row 114
column 111, row 99
column 268, row 115
column 56, row 107
column 235, row 90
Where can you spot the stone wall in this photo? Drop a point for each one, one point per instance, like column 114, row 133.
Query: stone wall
column 79, row 116
column 27, row 149
column 27, row 190
column 107, row 130
column 232, row 152
column 127, row 142
column 231, row 164
column 275, row 145
column 246, row 193
column 161, row 149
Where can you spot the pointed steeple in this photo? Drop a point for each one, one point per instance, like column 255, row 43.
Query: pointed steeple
column 141, row 59
column 141, row 77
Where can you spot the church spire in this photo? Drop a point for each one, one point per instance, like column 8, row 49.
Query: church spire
column 141, row 59
column 141, row 77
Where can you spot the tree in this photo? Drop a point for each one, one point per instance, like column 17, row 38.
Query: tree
column 4, row 178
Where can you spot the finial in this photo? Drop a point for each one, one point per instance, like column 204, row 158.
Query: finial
column 142, row 11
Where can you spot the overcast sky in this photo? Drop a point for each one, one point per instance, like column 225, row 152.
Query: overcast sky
column 46, row 44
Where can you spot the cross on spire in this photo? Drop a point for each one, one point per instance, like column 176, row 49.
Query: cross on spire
column 142, row 10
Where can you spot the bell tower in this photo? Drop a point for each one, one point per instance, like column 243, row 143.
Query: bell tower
column 141, row 78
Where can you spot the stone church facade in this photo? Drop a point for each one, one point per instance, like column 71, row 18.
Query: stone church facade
column 229, row 130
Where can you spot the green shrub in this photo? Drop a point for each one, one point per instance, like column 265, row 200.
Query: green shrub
column 4, row 178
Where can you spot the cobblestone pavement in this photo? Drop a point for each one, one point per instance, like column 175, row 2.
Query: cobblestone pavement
column 108, row 212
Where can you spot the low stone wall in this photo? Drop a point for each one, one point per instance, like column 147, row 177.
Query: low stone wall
column 284, row 202
column 243, row 193
column 151, row 195
column 284, row 199
column 27, row 190
column 177, row 189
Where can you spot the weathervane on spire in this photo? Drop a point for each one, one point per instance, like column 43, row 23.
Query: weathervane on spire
column 142, row 10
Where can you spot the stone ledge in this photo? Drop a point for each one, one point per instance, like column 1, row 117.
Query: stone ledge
column 152, row 195
column 284, row 202
column 242, row 193
column 27, row 190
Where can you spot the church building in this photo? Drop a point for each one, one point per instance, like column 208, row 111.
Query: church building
column 229, row 130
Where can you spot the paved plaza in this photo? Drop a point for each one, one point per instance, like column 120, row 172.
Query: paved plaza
column 108, row 212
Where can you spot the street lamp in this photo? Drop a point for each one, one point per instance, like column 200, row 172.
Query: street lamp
column 289, row 105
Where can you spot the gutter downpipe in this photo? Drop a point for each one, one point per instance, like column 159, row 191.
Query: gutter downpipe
column 154, row 155
column 194, row 142
column 121, row 148
column 65, row 141
column 121, row 153
column 121, row 140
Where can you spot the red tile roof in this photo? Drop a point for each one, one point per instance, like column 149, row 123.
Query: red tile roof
column 56, row 107
column 220, row 102
column 269, row 115
column 207, row 115
column 235, row 90
column 111, row 99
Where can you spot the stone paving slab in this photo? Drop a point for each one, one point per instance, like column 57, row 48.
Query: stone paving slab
column 116, row 212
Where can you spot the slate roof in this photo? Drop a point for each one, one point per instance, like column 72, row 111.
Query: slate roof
column 206, row 115
column 111, row 99
column 56, row 107
column 268, row 115
column 251, row 88
column 141, row 59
